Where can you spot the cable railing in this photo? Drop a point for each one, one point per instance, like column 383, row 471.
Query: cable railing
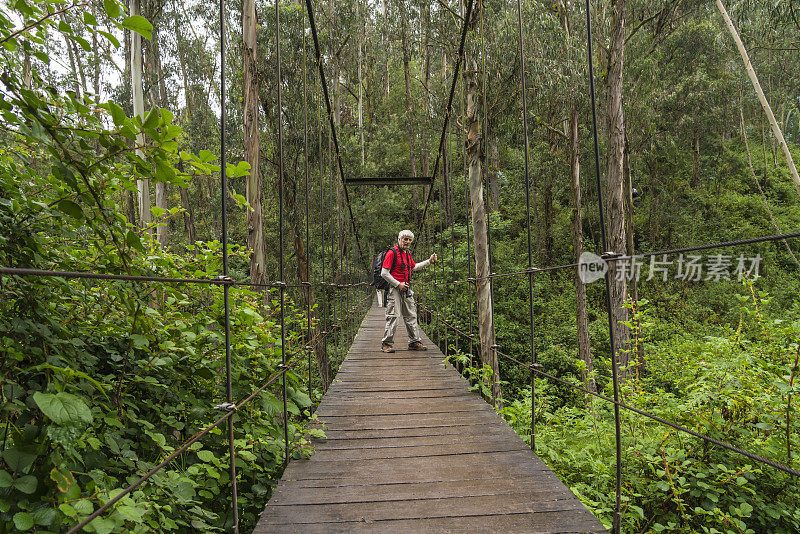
column 611, row 258
column 536, row 368
column 342, row 319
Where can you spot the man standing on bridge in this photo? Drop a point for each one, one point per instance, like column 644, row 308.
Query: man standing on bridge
column 401, row 298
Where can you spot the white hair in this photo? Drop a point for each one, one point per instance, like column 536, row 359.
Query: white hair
column 404, row 233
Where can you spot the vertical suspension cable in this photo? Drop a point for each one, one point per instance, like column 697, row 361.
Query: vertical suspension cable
column 309, row 347
column 443, row 288
column 282, row 288
column 523, row 84
column 468, row 220
column 322, row 241
column 334, row 235
column 452, row 221
column 226, row 287
column 616, row 526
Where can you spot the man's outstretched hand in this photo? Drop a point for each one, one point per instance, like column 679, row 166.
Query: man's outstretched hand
column 433, row 258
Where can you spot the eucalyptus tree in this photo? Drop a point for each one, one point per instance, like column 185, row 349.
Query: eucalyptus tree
column 255, row 225
column 472, row 125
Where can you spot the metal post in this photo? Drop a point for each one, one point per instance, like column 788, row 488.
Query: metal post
column 226, row 287
column 282, row 288
column 528, row 219
column 309, row 292
column 618, row 490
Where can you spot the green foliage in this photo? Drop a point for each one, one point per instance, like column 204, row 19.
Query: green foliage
column 738, row 387
column 101, row 380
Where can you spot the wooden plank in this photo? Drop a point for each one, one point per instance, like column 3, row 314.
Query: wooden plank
column 521, row 523
column 297, row 493
column 409, row 448
column 419, row 509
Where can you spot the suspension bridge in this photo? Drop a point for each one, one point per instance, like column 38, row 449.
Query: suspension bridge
column 407, row 445
column 409, row 448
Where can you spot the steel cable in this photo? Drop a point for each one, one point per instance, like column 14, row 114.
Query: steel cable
column 639, row 411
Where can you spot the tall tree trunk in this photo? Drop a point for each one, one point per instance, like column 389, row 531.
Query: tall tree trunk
column 615, row 204
column 426, row 82
column 143, row 186
column 72, row 64
column 360, row 23
column 776, row 130
column 162, row 233
column 255, row 226
column 386, row 43
column 188, row 211
column 695, row 162
column 581, row 315
column 27, row 76
column 96, row 58
column 494, row 173
column 630, row 249
column 472, row 123
column 446, row 157
column 191, row 231
column 301, row 254
column 409, row 108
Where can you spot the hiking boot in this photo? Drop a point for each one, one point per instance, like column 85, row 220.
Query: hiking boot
column 387, row 348
column 417, row 345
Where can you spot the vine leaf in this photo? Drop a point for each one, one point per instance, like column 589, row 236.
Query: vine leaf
column 140, row 25
column 63, row 480
column 63, row 408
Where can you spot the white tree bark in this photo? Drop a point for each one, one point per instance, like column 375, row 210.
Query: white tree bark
column 255, row 227
column 776, row 130
column 615, row 204
column 143, row 186
column 472, row 123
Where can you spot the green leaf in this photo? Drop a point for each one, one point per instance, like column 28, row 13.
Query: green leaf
column 117, row 113
column 89, row 19
column 112, row 8
column 26, row 484
column 239, row 170
column 166, row 115
column 139, row 341
column 140, row 25
column 205, row 456
column 63, row 408
column 157, row 212
column 84, row 507
column 5, row 479
column 134, row 241
column 18, row 460
column 103, row 526
column 70, row 208
column 206, row 156
column 151, row 121
column 67, row 510
column 109, row 37
column 44, row 516
column 164, row 172
column 23, row 521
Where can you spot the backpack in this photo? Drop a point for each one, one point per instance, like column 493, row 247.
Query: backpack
column 377, row 265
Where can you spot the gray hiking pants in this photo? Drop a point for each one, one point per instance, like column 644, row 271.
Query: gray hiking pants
column 397, row 304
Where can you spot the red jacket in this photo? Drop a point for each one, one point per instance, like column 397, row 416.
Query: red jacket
column 402, row 267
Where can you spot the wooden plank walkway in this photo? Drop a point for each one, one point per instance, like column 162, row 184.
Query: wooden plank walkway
column 410, row 449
